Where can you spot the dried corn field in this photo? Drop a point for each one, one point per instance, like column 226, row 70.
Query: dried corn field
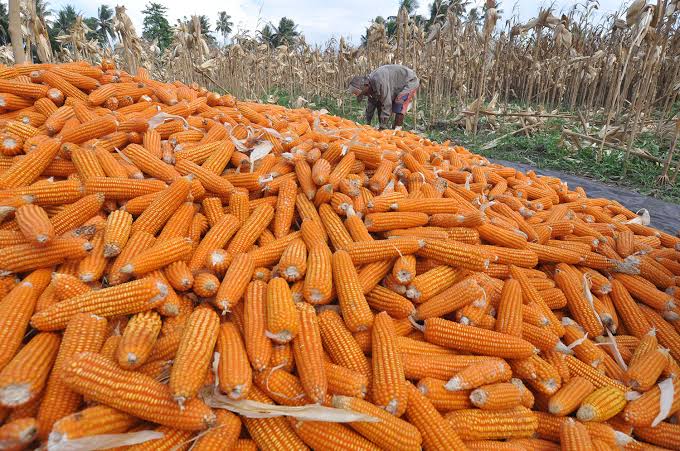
column 613, row 77
column 183, row 269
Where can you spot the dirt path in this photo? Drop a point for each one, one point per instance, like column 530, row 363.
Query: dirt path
column 665, row 215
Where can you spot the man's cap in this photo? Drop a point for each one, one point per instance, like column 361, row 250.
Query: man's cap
column 360, row 81
column 356, row 85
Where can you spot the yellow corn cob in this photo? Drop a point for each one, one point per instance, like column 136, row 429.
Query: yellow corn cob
column 319, row 275
column 212, row 182
column 160, row 255
column 34, row 224
column 25, row 257
column 362, row 252
column 235, row 282
column 271, row 433
column 602, row 404
column 383, row 299
column 509, row 315
column 570, row 396
column 258, row 346
column 205, row 285
column 284, row 388
column 439, row 366
column 437, row 433
column 18, row 434
column 500, row 396
column 118, row 227
column 235, row 376
column 132, row 297
column 473, row 339
column 308, row 354
column 388, row 384
column 442, row 399
column 216, row 238
column 138, row 340
column 223, row 436
column 163, row 207
column 92, row 267
column 343, row 381
column 139, row 395
column 646, row 369
column 664, row 434
column 84, row 333
column 390, row 432
column 492, row 425
column 482, row 373
column 340, row 344
column 574, row 436
column 331, row 436
column 537, row 373
column 282, row 317
column 598, row 379
column 212, row 208
column 16, row 309
column 77, row 213
column 252, row 228
column 629, row 311
column 457, row 296
column 355, row 309
column 336, row 230
column 431, row 283
column 194, row 354
column 293, row 263
column 24, row 377
column 179, row 275
column 26, row 170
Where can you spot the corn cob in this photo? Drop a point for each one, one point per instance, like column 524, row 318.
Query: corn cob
column 389, row 432
column 271, row 433
column 194, row 354
column 574, row 436
column 223, row 436
column 16, row 310
column 472, row 339
column 258, row 345
column 282, row 317
column 570, row 396
column 133, row 393
column 473, row 424
column 355, row 309
column 24, row 377
column 235, row 376
column 132, row 297
column 308, row 353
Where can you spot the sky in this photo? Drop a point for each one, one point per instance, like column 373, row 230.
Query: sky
column 318, row 20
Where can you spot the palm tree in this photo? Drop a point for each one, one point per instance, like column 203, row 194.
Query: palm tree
column 104, row 24
column 65, row 19
column 285, row 33
column 205, row 29
column 267, row 35
column 223, row 25
column 410, row 5
column 437, row 11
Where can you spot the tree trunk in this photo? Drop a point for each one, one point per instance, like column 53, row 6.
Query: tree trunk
column 15, row 31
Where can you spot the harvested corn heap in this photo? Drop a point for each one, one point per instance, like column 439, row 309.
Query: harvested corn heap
column 181, row 268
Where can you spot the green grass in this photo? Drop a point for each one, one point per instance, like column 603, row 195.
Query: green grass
column 544, row 150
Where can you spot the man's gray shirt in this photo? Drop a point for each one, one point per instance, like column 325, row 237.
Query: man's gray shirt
column 387, row 83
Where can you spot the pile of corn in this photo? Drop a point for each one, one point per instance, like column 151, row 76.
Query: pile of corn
column 183, row 269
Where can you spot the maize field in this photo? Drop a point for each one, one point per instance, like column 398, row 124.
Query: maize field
column 181, row 269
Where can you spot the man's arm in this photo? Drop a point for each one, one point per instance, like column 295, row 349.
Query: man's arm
column 370, row 111
column 385, row 106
